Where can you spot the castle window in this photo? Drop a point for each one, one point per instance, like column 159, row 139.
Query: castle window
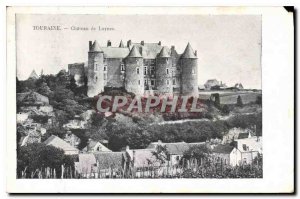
column 174, row 81
column 104, row 69
column 137, row 71
column 152, row 82
column 167, row 82
column 145, row 70
column 96, row 79
column 167, row 71
column 122, row 67
column 152, row 70
column 104, row 76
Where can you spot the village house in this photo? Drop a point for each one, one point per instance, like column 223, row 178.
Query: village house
column 61, row 144
column 175, row 150
column 250, row 147
column 142, row 162
column 226, row 155
column 86, row 167
column 95, row 146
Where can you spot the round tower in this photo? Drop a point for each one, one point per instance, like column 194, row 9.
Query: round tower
column 164, row 72
column 189, row 72
column 96, row 73
column 134, row 76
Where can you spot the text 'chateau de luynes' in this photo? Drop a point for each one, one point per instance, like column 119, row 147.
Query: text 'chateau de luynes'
column 141, row 68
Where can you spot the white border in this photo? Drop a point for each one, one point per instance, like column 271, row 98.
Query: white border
column 278, row 109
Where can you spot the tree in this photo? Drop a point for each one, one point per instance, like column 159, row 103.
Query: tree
column 226, row 109
column 39, row 156
column 239, row 101
column 198, row 152
column 258, row 100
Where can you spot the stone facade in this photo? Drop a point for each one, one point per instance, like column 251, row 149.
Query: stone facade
column 141, row 68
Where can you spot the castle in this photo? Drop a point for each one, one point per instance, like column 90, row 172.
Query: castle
column 141, row 68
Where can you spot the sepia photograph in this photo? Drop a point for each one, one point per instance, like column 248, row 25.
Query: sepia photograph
column 107, row 97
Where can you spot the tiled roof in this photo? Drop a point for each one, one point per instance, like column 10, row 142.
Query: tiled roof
column 134, row 52
column 93, row 143
column 96, row 47
column 110, row 159
column 223, row 149
column 164, row 52
column 59, row 143
column 175, row 148
column 188, row 52
column 115, row 52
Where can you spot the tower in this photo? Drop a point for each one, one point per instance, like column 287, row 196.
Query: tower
column 164, row 72
column 134, row 76
column 96, row 69
column 189, row 72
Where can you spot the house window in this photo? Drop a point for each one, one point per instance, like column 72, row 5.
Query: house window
column 96, row 79
column 167, row 71
column 137, row 71
column 145, row 82
column 167, row 82
column 122, row 67
column 139, row 82
column 104, row 69
column 244, row 147
column 152, row 70
column 145, row 70
column 177, row 158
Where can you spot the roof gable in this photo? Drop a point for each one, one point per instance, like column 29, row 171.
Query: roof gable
column 59, row 143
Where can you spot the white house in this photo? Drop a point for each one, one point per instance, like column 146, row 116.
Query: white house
column 227, row 155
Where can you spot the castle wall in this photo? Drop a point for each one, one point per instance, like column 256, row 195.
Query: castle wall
column 96, row 73
column 189, row 77
column 134, row 82
column 115, row 77
column 164, row 75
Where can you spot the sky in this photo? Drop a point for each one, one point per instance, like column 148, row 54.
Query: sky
column 228, row 46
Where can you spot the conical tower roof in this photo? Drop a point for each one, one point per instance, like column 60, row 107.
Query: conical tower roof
column 121, row 44
column 33, row 75
column 188, row 52
column 164, row 52
column 96, row 47
column 134, row 52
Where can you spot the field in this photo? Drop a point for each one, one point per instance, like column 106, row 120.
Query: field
column 230, row 97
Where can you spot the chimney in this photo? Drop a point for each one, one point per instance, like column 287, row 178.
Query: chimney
column 127, row 148
column 142, row 43
column 128, row 43
column 196, row 53
column 172, row 47
column 108, row 43
column 159, row 43
column 90, row 45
